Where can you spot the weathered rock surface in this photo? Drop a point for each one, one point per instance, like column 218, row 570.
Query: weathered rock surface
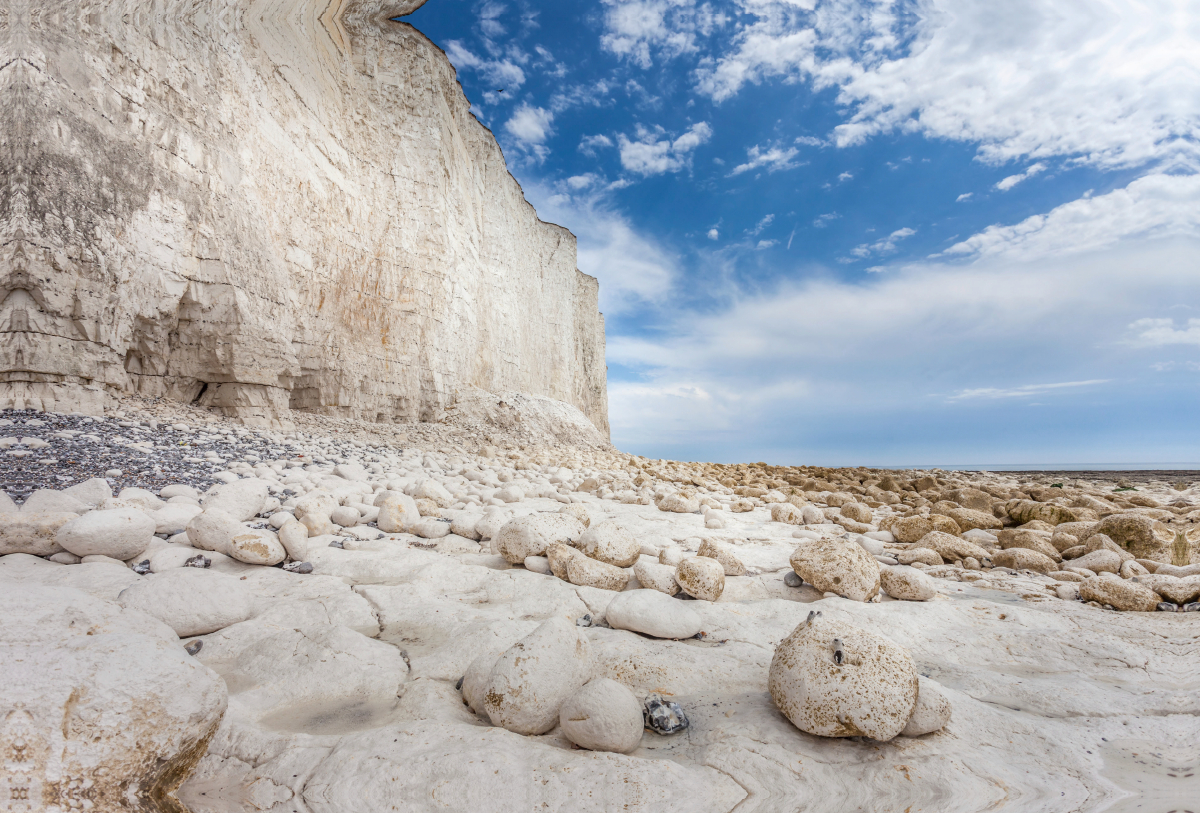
column 835, row 680
column 189, row 268
column 189, row 600
column 653, row 613
column 834, row 566
column 99, row 703
column 602, row 716
column 530, row 681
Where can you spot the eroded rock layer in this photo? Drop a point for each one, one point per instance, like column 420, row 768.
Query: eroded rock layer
column 264, row 205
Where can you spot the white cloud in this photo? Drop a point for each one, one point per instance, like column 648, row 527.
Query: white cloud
column 762, row 224
column 1105, row 85
column 1162, row 332
column 1012, row 180
column 581, row 181
column 773, row 158
column 884, row 245
column 1155, row 205
column 653, row 155
column 633, row 269
column 845, row 176
column 1025, row 391
column 837, row 352
column 529, row 124
column 502, row 73
column 765, row 244
column 713, row 234
column 588, row 144
column 822, row 221
column 964, row 196
column 635, row 28
column 488, row 21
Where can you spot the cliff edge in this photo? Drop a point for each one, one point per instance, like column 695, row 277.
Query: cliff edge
column 266, row 205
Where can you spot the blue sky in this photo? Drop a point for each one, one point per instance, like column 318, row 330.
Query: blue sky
column 867, row 233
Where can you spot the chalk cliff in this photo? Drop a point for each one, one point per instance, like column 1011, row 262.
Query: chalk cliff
column 264, row 205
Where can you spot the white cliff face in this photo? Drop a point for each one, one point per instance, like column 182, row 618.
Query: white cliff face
column 268, row 204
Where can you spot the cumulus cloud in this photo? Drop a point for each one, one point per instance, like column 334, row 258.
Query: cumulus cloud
column 713, row 234
column 588, row 144
column 773, row 159
column 964, row 197
column 530, row 125
column 1012, row 180
column 638, row 29
column 1037, row 80
column 652, row 154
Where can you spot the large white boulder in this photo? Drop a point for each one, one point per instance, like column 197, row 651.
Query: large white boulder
column 105, row 701
column 120, row 533
column 609, row 542
column 602, row 716
column 174, row 517
column 531, row 535
column 190, row 600
column 652, row 613
column 241, row 499
column 835, row 566
column 533, row 677
column 397, row 513
column 836, row 680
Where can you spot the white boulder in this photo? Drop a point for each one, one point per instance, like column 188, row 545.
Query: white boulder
column 532, row 679
column 652, row 613
column 602, row 716
column 189, row 600
column 119, row 532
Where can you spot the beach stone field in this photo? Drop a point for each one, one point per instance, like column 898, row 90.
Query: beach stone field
column 345, row 616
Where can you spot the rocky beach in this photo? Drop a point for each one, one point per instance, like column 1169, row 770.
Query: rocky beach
column 340, row 617
column 309, row 500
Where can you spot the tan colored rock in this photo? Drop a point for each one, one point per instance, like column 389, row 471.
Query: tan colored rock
column 587, row 572
column 1099, row 561
column 558, row 555
column 857, row 512
column 1030, row 540
column 602, row 716
column 835, row 680
column 787, row 513
column 944, row 524
column 911, row 529
column 836, row 566
column 678, row 504
column 728, row 559
column 656, row 576
column 907, row 583
column 34, row 533
column 967, row 518
column 926, row 556
column 1024, row 511
column 1120, row 593
column 952, row 548
column 1180, row 590
column 609, row 542
column 1024, row 559
column 1137, row 535
column 701, row 577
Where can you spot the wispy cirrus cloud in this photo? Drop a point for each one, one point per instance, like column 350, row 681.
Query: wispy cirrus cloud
column 1026, row 391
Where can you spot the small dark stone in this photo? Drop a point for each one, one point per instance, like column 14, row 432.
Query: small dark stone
column 458, row 686
column 792, row 579
column 584, row 620
column 663, row 716
column 1192, row 607
column 337, row 543
column 142, row 567
column 299, row 567
column 1167, row 607
column 193, row 648
column 199, row 560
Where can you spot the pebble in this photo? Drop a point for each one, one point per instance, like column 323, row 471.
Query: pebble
column 663, row 716
column 932, row 711
column 907, row 583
